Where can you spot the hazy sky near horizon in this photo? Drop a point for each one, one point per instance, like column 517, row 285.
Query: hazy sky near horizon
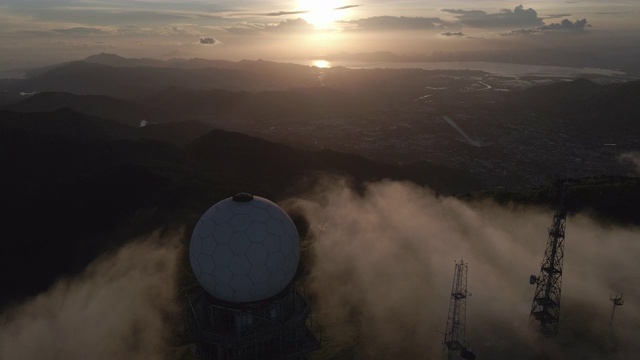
column 37, row 31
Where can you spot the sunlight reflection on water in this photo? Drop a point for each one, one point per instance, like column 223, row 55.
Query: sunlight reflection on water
column 321, row 64
column 502, row 69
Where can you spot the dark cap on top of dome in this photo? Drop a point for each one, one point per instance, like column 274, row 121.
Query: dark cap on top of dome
column 242, row 197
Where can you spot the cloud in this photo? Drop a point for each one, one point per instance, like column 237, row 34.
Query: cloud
column 81, row 31
column 290, row 26
column 281, row 13
column 382, row 263
column 207, row 41
column 556, row 16
column 565, row 26
column 37, row 32
column 519, row 17
column 116, row 309
column 395, row 23
column 244, row 29
column 633, row 159
column 132, row 30
column 296, row 12
column 449, row 34
column 347, row 7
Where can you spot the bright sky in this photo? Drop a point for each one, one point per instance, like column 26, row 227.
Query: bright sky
column 37, row 31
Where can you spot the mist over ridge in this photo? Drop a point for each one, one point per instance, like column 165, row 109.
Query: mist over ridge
column 382, row 265
column 378, row 267
column 116, row 308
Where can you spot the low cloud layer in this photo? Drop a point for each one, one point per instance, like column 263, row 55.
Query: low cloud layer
column 290, row 26
column 505, row 18
column 565, row 26
column 116, row 309
column 284, row 13
column 454, row 34
column 380, row 23
column 633, row 159
column 347, row 7
column 81, row 31
column 382, row 265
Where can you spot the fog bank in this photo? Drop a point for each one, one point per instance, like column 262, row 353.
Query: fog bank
column 116, row 309
column 382, row 267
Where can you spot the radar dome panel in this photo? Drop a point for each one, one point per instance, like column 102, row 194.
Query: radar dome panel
column 244, row 249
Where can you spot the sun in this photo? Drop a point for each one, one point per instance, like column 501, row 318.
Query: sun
column 321, row 13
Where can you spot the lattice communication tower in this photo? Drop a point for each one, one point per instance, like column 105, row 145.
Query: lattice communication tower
column 617, row 300
column 454, row 344
column 545, row 309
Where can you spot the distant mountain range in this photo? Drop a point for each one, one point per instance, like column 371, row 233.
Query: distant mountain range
column 580, row 102
column 109, row 74
column 175, row 104
column 85, row 78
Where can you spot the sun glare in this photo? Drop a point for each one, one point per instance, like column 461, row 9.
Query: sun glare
column 321, row 14
column 321, row 64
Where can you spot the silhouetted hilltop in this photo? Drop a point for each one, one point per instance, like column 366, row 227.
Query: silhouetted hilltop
column 179, row 104
column 68, row 198
column 8, row 97
column 176, row 133
column 560, row 94
column 97, row 116
column 68, row 123
column 115, row 76
column 199, row 63
column 618, row 107
column 85, row 78
column 274, row 167
column 610, row 199
column 94, row 105
column 176, row 104
column 584, row 107
column 257, row 66
column 114, row 60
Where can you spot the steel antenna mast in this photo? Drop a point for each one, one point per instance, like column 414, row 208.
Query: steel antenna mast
column 454, row 344
column 545, row 309
column 617, row 300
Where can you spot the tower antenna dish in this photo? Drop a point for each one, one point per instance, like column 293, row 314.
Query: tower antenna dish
column 617, row 300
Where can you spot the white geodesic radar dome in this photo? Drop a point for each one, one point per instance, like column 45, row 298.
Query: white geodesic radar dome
column 244, row 249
